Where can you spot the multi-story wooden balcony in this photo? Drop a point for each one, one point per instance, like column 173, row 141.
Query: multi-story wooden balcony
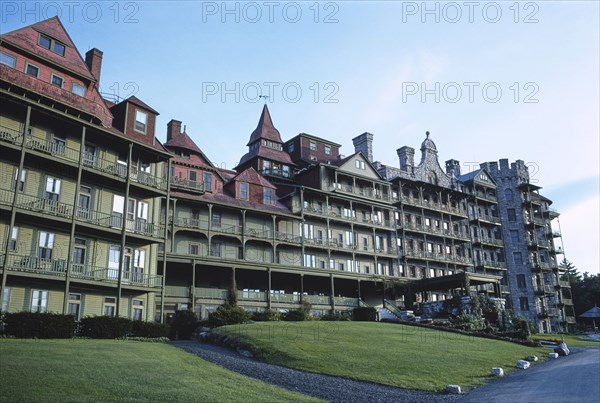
column 58, row 268
column 429, row 229
column 428, row 204
column 489, row 264
column 187, row 184
column 488, row 242
column 534, row 221
column 485, row 218
column 431, row 256
column 537, row 244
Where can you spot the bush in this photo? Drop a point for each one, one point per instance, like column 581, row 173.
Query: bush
column 228, row 315
column 184, row 325
column 295, row 315
column 149, row 329
column 333, row 317
column 105, row 327
column 467, row 321
column 367, row 313
column 266, row 316
column 27, row 325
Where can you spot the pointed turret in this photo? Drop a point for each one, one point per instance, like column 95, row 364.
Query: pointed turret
column 265, row 150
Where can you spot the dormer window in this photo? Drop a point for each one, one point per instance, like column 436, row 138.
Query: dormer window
column 52, row 44
column 141, row 119
column 268, row 196
column 291, row 148
column 243, row 191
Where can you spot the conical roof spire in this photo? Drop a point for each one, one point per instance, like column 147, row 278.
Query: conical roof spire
column 265, row 129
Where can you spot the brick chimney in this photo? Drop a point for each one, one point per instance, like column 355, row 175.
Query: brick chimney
column 173, row 129
column 93, row 59
column 364, row 144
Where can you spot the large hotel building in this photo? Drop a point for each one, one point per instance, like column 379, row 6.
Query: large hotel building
column 100, row 216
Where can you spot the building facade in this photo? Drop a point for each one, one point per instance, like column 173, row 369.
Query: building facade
column 101, row 218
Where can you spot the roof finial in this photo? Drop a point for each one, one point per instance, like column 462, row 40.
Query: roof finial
column 266, row 97
column 427, row 134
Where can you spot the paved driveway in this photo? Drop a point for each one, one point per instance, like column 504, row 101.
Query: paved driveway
column 575, row 378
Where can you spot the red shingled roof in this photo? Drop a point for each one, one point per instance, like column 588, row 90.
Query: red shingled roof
column 183, row 140
column 26, row 38
column 265, row 129
column 251, row 176
column 136, row 101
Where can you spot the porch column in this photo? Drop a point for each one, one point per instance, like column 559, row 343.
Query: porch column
column 332, row 293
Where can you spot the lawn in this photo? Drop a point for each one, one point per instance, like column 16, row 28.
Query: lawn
column 570, row 339
column 124, row 371
column 386, row 353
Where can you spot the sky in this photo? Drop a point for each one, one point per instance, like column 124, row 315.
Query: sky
column 488, row 80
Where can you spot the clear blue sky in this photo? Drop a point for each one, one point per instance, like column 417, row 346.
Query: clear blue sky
column 395, row 69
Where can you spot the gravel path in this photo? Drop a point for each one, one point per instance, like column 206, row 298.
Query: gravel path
column 325, row 387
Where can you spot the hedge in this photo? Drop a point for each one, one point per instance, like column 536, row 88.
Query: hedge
column 367, row 313
column 105, row 327
column 28, row 325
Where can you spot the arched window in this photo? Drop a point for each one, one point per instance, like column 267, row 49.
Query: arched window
column 432, row 178
column 508, row 194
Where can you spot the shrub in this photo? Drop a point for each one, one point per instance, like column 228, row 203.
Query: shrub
column 467, row 321
column 228, row 315
column 266, row 316
column 149, row 329
column 295, row 315
column 105, row 327
column 334, row 317
column 28, row 325
column 183, row 326
column 366, row 313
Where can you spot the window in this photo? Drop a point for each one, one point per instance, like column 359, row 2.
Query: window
column 32, row 70
column 137, row 309
column 141, row 119
column 13, row 239
column 508, row 194
column 313, row 146
column 78, row 89
column 74, row 305
column 309, row 231
column 58, row 145
column 291, row 148
column 268, row 196
column 521, row 281
column 45, row 245
column 56, row 80
column 524, row 303
column 310, row 260
column 207, row 178
column 5, row 299
column 518, row 258
column 216, row 219
column 193, row 176
column 19, row 182
column 349, row 238
column 139, row 263
column 39, row 301
column 194, row 249
column 79, row 255
column 514, row 236
column 215, row 249
column 8, row 60
column 359, row 164
column 512, row 217
column 110, row 306
column 243, row 191
column 327, row 150
column 51, row 44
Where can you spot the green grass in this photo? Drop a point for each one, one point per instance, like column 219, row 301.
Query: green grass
column 386, row 353
column 109, row 370
column 570, row 339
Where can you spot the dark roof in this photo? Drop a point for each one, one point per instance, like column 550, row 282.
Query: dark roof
column 136, row 101
column 470, row 176
column 310, row 136
column 265, row 129
column 269, row 154
column 183, row 140
column 251, row 176
column 26, row 38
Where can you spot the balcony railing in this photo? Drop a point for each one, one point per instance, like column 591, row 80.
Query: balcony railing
column 38, row 204
column 179, row 292
column 286, row 237
column 146, row 178
column 191, row 223
column 59, row 150
column 187, row 184
column 484, row 217
column 258, row 233
column 435, row 256
column 285, row 298
column 227, row 229
column 10, row 135
column 258, row 296
column 317, row 299
column 6, row 196
column 278, row 172
column 345, row 301
column 485, row 196
column 58, row 267
column 432, row 205
column 211, row 293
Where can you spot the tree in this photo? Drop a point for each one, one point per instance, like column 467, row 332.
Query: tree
column 586, row 293
column 570, row 272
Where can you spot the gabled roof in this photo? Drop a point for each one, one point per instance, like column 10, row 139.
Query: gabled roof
column 26, row 38
column 183, row 140
column 265, row 129
column 136, row 101
column 251, row 176
column 474, row 175
column 343, row 163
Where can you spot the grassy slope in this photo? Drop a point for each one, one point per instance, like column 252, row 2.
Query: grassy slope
column 107, row 370
column 392, row 354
